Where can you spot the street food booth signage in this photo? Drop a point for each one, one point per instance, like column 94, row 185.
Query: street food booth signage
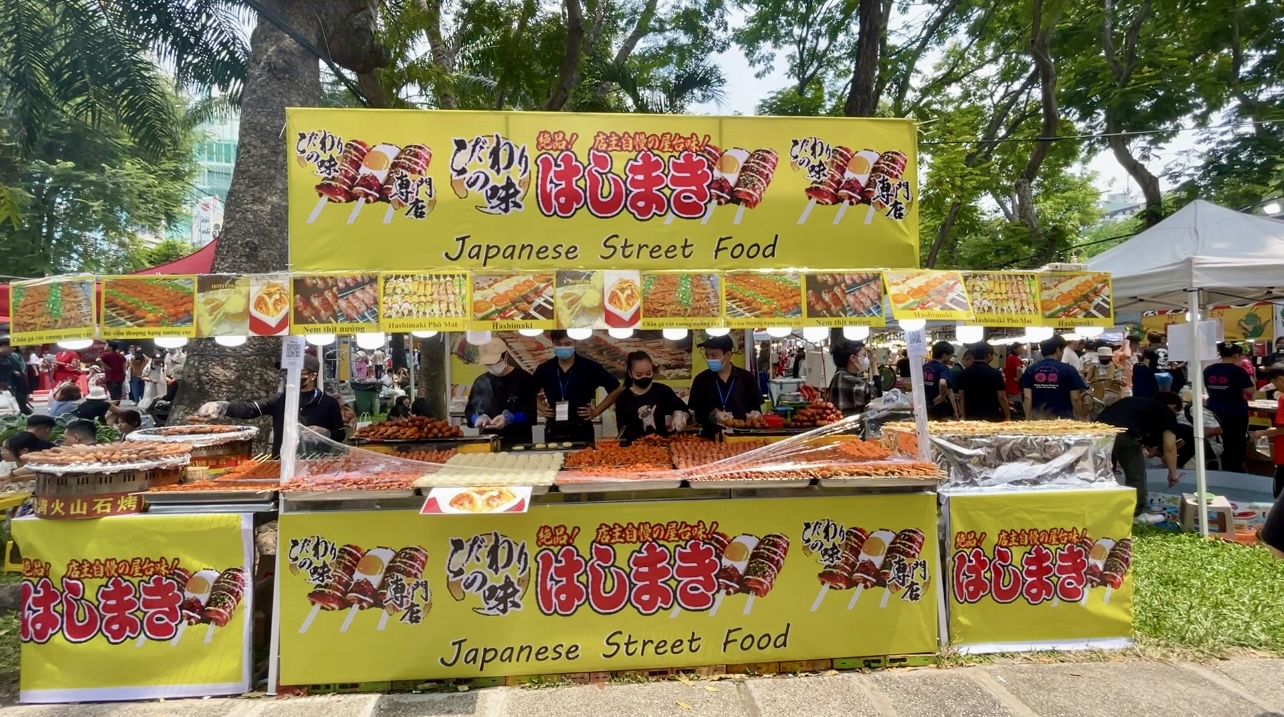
column 527, row 190
column 135, row 607
column 578, row 588
column 1072, row 299
column 1040, row 570
column 52, row 309
column 143, row 307
column 1004, row 298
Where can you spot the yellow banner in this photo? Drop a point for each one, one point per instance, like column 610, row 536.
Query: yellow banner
column 531, row 190
column 847, row 299
column 1071, row 299
column 1250, row 322
column 576, row 588
column 1049, row 568
column 144, row 307
column 681, row 300
column 424, row 302
column 1004, row 299
column 47, row 310
column 939, row 295
column 135, row 607
column 335, row 303
column 1159, row 321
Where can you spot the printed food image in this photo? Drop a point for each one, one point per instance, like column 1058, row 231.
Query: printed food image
column 222, row 305
column 680, row 295
column 525, row 297
column 872, row 559
column 482, row 500
column 270, row 301
column 380, row 173
column 351, row 299
column 1002, row 293
column 844, row 295
column 763, row 295
column 148, row 302
column 424, row 296
column 209, row 596
column 61, row 305
column 740, row 176
column 1076, row 296
column 380, row 578
column 749, row 564
column 927, row 292
column 579, row 299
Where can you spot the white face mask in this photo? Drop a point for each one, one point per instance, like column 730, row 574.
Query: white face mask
column 862, row 363
column 497, row 368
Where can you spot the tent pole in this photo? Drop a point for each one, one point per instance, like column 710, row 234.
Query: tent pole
column 1195, row 366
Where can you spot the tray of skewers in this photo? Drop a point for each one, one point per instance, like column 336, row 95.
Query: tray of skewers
column 845, row 295
column 348, row 299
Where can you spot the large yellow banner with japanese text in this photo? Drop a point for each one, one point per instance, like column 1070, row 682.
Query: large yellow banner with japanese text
column 576, row 588
column 1040, row 569
column 135, row 607
column 398, row 190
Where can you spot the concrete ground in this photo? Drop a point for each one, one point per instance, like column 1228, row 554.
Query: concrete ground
column 1235, row 688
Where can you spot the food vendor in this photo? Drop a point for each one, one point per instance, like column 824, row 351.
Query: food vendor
column 568, row 383
column 724, row 390
column 849, row 391
column 646, row 406
column 317, row 410
column 502, row 400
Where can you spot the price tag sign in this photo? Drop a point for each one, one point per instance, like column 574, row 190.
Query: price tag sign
column 292, row 350
column 916, row 343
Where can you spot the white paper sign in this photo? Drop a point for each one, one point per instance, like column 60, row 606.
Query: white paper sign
column 916, row 343
column 1179, row 344
column 292, row 350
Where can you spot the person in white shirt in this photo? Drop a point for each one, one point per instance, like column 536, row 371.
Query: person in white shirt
column 1072, row 356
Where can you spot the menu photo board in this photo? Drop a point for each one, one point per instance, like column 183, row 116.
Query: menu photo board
column 52, row 309
column 504, row 301
column 1076, row 298
column 269, row 304
column 598, row 299
column 144, row 307
column 341, row 304
column 681, row 300
column 835, row 300
column 754, row 299
column 931, row 295
column 1004, row 298
column 222, row 305
column 424, row 302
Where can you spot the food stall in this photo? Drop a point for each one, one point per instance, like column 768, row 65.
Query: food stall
column 417, row 552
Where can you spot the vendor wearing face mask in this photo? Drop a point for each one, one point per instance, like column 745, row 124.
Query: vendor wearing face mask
column 568, row 383
column 724, row 391
column 317, row 411
column 646, row 406
column 502, row 400
column 849, row 391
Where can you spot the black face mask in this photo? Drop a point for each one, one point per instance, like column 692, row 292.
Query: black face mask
column 643, row 382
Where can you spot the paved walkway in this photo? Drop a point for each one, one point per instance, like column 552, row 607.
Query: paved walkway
column 1237, row 688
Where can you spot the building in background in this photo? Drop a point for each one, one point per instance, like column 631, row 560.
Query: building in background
column 1118, row 206
column 215, row 157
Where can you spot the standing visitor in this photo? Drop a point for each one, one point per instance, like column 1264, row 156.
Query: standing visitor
column 981, row 389
column 1052, row 389
column 569, row 384
column 13, row 373
column 902, row 364
column 1126, row 358
column 154, row 383
column 1229, row 388
column 1104, row 379
column 1144, row 382
column 1012, row 370
column 138, row 366
column 112, row 362
column 800, row 357
column 958, row 367
column 936, row 383
column 1073, row 356
column 66, row 366
column 1275, row 374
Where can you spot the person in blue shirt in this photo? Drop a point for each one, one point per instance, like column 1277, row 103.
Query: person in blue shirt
column 1229, row 387
column 1051, row 387
column 936, row 383
column 1144, row 383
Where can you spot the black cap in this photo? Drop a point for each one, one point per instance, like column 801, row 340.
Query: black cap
column 720, row 343
column 311, row 363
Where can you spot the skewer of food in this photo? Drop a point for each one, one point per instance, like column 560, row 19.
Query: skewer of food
column 337, row 188
column 1097, row 552
column 753, row 180
column 371, row 175
column 840, row 575
column 904, row 550
column 889, row 168
column 226, row 594
column 364, row 590
column 872, row 555
column 1115, row 569
column 735, row 561
column 855, row 177
column 197, row 588
column 765, row 564
column 409, row 165
column 825, row 190
column 404, row 569
column 332, row 594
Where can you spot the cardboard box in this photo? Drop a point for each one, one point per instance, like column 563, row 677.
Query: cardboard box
column 1221, row 516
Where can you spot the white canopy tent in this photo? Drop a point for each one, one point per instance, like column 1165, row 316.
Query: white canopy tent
column 1200, row 255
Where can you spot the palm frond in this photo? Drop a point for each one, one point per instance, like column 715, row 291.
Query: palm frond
column 25, row 59
column 201, row 41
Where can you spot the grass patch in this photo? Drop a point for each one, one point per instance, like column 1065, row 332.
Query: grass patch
column 1211, row 597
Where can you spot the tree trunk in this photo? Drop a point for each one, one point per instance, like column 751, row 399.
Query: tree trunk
column 568, row 75
column 862, row 100
column 1149, row 183
column 432, row 375
column 1040, row 46
column 397, row 346
column 640, row 30
column 442, row 56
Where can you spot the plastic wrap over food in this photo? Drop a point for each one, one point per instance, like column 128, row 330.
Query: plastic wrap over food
column 1024, row 461
column 198, row 436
